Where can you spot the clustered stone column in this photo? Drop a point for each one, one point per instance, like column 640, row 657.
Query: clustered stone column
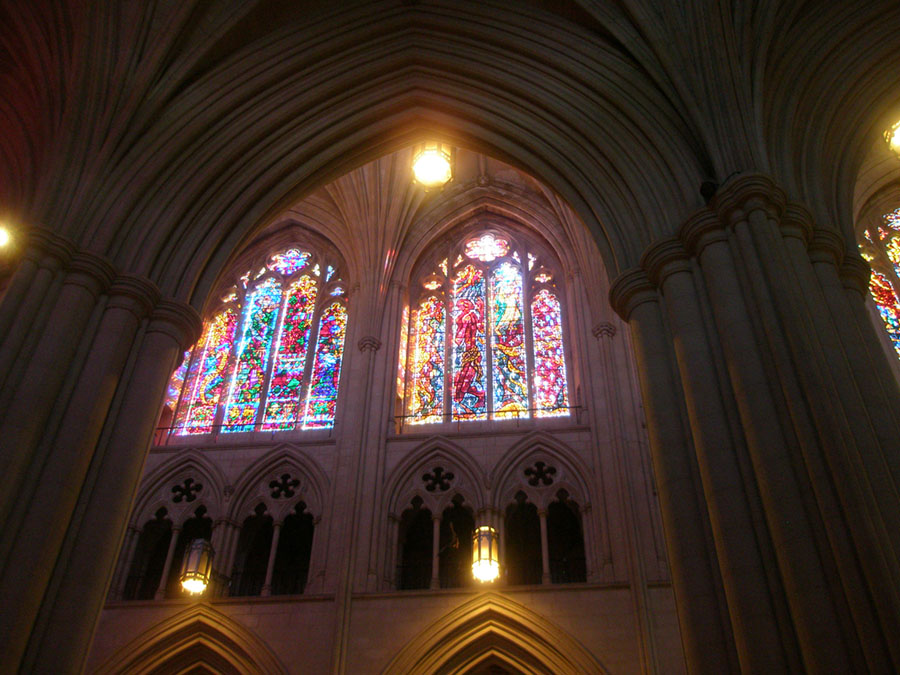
column 85, row 355
column 774, row 431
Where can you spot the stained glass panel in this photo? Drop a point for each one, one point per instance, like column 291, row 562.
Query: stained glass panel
column 321, row 400
column 206, row 381
column 288, row 262
column 487, row 248
column 329, row 272
column 260, row 316
column 892, row 219
column 401, row 361
column 177, row 381
column 888, row 306
column 427, row 369
column 283, row 400
column 551, row 396
column 469, row 355
column 510, row 388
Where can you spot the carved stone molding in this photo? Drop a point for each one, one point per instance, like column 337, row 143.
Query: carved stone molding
column 747, row 193
column 604, row 329
column 369, row 343
column 797, row 221
column 855, row 273
column 827, row 246
column 700, row 230
column 177, row 319
column 90, row 271
column 630, row 289
column 664, row 257
column 134, row 294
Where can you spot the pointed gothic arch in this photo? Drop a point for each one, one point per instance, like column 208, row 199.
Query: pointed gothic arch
column 156, row 490
column 200, row 636
column 492, row 626
column 252, row 487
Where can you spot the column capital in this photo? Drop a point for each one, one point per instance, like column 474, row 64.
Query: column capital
column 134, row 294
column 797, row 222
column 93, row 272
column 630, row 289
column 702, row 229
column 663, row 258
column 827, row 246
column 604, row 329
column 746, row 193
column 369, row 343
column 44, row 244
column 178, row 320
column 855, row 273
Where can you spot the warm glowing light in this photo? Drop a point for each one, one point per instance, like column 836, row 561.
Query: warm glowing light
column 196, row 567
column 892, row 137
column 194, row 586
column 4, row 236
column 432, row 165
column 485, row 561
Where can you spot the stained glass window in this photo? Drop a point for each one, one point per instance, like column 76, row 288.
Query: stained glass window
column 260, row 372
column 283, row 400
column 508, row 342
column 288, row 262
column 204, row 383
column 550, row 390
column 883, row 254
column 487, row 248
column 323, row 385
column 258, row 329
column 427, row 368
column 469, row 358
column 492, row 346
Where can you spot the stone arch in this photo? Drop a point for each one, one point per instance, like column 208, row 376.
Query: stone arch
column 572, row 474
column 405, row 481
column 253, row 488
column 493, row 627
column 156, row 490
column 198, row 636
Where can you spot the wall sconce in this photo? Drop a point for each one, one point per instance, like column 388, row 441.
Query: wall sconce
column 485, row 558
column 432, row 165
column 196, row 567
column 892, row 138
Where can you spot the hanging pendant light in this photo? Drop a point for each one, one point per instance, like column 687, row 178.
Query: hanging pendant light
column 196, row 567
column 432, row 165
column 485, row 558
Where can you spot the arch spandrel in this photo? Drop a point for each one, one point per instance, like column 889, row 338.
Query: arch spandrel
column 493, row 626
column 197, row 636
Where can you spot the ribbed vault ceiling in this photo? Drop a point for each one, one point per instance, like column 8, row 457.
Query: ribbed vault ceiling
column 164, row 134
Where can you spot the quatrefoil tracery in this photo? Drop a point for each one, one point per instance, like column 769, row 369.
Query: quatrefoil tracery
column 187, row 492
column 438, row 479
column 285, row 486
column 540, row 473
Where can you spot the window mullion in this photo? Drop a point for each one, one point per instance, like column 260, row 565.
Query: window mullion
column 231, row 367
column 527, row 295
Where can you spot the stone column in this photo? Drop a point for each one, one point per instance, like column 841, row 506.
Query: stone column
column 83, row 570
column 270, row 565
column 167, row 566
column 743, row 576
column 707, row 647
column 545, row 548
column 435, row 551
column 126, row 559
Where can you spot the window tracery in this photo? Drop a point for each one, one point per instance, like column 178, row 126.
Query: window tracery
column 484, row 335
column 270, row 358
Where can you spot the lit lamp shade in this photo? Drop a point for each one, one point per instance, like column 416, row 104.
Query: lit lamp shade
column 892, row 138
column 432, row 165
column 196, row 567
column 485, row 561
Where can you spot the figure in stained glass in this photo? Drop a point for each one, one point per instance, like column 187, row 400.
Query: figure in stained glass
column 321, row 400
column 469, row 344
column 510, row 388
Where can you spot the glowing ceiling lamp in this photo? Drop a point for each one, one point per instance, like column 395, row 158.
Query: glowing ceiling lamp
column 485, row 559
column 5, row 237
column 892, row 138
column 196, row 568
column 433, row 165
